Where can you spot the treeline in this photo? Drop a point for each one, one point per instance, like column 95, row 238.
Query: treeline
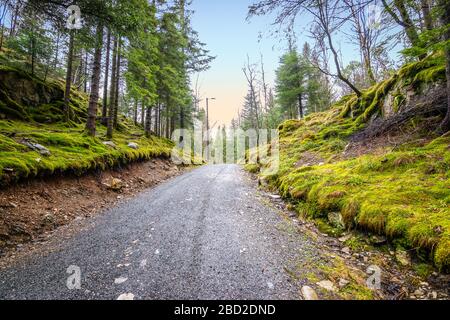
column 132, row 57
column 311, row 80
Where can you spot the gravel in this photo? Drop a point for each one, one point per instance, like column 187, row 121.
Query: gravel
column 203, row 235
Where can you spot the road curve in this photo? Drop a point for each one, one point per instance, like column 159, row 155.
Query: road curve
column 203, row 235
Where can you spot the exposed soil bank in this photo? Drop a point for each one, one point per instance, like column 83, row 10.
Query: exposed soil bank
column 31, row 210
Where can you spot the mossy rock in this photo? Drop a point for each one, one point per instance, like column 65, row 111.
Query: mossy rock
column 25, row 97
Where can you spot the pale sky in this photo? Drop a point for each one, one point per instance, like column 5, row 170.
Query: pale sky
column 222, row 26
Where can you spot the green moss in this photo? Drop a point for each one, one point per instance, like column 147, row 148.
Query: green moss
column 424, row 270
column 71, row 150
column 402, row 194
column 252, row 168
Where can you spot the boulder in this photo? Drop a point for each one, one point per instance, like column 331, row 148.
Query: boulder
column 110, row 144
column 36, row 147
column 133, row 145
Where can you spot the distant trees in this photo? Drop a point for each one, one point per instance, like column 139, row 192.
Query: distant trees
column 33, row 41
column 300, row 89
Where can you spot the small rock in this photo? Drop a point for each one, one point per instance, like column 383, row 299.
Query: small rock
column 274, row 196
column 336, row 220
column 327, row 285
column 36, row 147
column 309, row 293
column 419, row 292
column 120, row 280
column 133, row 145
column 48, row 219
column 116, row 184
column 126, row 296
column 377, row 240
column 343, row 283
column 110, row 144
column 434, row 295
column 346, row 250
column 345, row 238
column 403, row 257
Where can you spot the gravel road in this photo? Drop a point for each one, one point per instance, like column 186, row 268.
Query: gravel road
column 207, row 234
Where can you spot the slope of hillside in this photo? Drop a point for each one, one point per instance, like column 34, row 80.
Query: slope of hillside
column 34, row 141
column 373, row 163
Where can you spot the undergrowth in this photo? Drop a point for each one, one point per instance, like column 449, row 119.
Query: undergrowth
column 402, row 193
column 32, row 110
column 72, row 151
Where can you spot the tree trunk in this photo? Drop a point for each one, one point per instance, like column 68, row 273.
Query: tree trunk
column 405, row 20
column 410, row 29
column 85, row 81
column 325, row 24
column 95, row 83
column 148, row 121
column 182, row 116
column 67, row 111
column 445, row 20
column 167, row 125
column 300, row 106
column 1, row 37
column 427, row 17
column 55, row 62
column 33, row 53
column 143, row 105
column 2, row 23
column 338, row 66
column 158, row 121
column 172, row 126
column 116, row 98
column 135, row 112
column 105, row 85
column 142, row 113
column 14, row 20
column 112, row 92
